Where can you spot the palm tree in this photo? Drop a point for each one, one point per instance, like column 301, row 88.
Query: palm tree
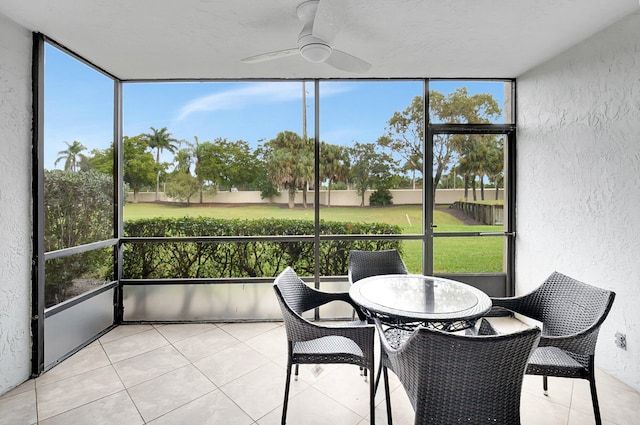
column 160, row 140
column 288, row 156
column 71, row 156
column 334, row 165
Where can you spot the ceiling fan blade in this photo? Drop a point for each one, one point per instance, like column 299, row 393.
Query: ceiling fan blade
column 271, row 55
column 346, row 62
column 328, row 20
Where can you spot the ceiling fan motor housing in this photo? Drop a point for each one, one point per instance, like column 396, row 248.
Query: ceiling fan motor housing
column 313, row 49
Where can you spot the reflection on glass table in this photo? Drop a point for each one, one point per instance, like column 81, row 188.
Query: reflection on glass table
column 406, row 301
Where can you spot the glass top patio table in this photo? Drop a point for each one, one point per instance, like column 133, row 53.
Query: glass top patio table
column 408, row 300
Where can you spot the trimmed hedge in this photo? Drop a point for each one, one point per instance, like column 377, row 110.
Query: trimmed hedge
column 162, row 260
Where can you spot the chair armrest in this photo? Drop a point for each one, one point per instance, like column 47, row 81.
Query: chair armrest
column 580, row 343
column 524, row 305
column 510, row 303
column 321, row 298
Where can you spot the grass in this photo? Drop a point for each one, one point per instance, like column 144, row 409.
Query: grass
column 451, row 254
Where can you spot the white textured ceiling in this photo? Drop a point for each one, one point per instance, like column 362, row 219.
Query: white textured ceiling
column 202, row 39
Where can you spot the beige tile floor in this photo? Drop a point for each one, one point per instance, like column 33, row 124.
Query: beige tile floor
column 200, row 374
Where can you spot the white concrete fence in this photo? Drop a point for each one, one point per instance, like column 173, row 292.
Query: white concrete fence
column 339, row 198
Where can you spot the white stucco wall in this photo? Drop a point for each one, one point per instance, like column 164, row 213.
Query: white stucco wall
column 15, row 204
column 579, row 135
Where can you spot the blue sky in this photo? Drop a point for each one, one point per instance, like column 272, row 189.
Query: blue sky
column 79, row 106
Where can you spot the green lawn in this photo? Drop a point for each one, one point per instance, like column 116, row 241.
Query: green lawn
column 451, row 254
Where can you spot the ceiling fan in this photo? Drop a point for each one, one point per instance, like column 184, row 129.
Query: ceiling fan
column 322, row 21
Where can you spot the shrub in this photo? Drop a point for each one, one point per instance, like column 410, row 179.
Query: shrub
column 78, row 209
column 247, row 258
column 381, row 197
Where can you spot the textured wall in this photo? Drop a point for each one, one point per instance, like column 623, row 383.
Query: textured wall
column 15, row 204
column 579, row 179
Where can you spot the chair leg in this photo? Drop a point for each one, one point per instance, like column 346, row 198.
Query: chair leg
column 545, row 385
column 286, row 393
column 378, row 376
column 296, row 373
column 387, row 395
column 594, row 399
column 372, row 401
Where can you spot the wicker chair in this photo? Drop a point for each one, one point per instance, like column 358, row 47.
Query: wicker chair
column 485, row 329
column 311, row 343
column 454, row 378
column 571, row 313
column 372, row 263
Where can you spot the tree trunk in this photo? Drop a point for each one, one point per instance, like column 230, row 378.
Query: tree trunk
column 466, row 187
column 292, row 199
column 304, row 196
column 158, row 174
column 475, row 193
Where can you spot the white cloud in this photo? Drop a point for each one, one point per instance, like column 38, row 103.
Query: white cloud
column 256, row 93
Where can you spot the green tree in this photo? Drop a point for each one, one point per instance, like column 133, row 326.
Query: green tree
column 287, row 162
column 183, row 160
column 458, row 108
column 306, row 167
column 334, row 165
column 268, row 189
column 238, row 164
column 196, row 157
column 481, row 159
column 160, row 140
column 182, row 186
column 209, row 165
column 405, row 133
column 138, row 166
column 404, row 136
column 370, row 168
column 71, row 156
column 495, row 167
column 100, row 160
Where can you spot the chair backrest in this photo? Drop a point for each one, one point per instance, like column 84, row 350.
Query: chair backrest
column 567, row 306
column 453, row 378
column 486, row 328
column 294, row 298
column 373, row 263
column 295, row 293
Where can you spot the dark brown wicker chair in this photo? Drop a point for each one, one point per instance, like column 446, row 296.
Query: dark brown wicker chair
column 571, row 313
column 311, row 343
column 373, row 263
column 453, row 378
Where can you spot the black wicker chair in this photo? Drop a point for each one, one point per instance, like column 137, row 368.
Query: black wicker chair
column 571, row 313
column 311, row 343
column 485, row 329
column 454, row 378
column 372, row 263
